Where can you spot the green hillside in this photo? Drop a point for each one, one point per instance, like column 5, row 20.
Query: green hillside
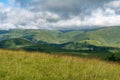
column 15, row 43
column 104, row 40
column 100, row 37
column 70, row 48
column 102, row 43
column 106, row 36
column 57, row 55
column 25, row 44
column 21, row 65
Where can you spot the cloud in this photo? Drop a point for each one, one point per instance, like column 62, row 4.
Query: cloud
column 99, row 18
column 56, row 14
column 6, row 26
column 1, row 5
column 25, row 19
column 59, row 6
column 106, row 17
column 114, row 4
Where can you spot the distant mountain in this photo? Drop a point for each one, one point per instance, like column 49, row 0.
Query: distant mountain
column 103, row 43
column 25, row 44
column 106, row 37
column 99, row 37
column 83, row 49
column 16, row 43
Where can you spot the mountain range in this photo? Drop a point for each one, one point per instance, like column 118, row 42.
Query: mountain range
column 100, row 37
column 102, row 40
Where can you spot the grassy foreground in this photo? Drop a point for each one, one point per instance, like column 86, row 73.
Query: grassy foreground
column 21, row 65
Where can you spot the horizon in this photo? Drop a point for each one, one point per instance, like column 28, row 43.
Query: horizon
column 79, row 29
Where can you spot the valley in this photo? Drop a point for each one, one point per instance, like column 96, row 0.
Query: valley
column 101, row 43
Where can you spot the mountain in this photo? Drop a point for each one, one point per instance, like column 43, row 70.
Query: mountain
column 16, row 43
column 25, row 44
column 106, row 36
column 102, row 42
column 99, row 37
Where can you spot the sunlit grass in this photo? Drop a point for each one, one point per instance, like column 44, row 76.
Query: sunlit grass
column 21, row 65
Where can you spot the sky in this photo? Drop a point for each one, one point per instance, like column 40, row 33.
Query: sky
column 58, row 14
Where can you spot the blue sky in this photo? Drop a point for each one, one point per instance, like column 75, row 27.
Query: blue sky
column 58, row 14
column 5, row 2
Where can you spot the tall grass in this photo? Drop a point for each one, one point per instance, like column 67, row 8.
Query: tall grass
column 21, row 65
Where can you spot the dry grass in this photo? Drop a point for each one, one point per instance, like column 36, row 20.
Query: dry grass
column 21, row 65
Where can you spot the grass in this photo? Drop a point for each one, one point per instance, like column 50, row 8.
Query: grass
column 21, row 65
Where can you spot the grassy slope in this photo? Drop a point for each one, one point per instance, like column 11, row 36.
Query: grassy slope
column 101, row 37
column 106, row 37
column 33, row 35
column 21, row 65
column 15, row 43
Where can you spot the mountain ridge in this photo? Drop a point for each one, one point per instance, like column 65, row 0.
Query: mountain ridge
column 100, row 37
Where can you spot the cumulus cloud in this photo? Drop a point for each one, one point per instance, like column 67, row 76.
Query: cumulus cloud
column 99, row 18
column 1, row 5
column 25, row 19
column 114, row 4
column 56, row 14
column 66, row 6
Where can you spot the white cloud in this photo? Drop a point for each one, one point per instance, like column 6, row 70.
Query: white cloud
column 1, row 5
column 12, row 18
column 25, row 19
column 104, row 18
column 114, row 4
column 7, row 26
column 99, row 18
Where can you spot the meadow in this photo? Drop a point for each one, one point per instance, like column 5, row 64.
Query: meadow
column 22, row 65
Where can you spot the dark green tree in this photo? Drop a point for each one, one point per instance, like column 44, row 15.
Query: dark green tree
column 112, row 58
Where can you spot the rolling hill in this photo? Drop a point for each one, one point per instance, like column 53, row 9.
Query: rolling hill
column 103, row 40
column 106, row 36
column 101, row 37
column 15, row 43
column 70, row 48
